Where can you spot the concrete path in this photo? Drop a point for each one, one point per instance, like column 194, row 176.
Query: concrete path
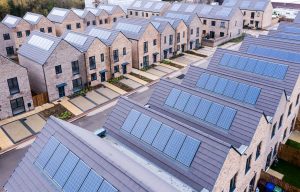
column 70, row 106
column 168, row 66
column 108, row 93
column 156, row 72
column 131, row 83
column 96, row 97
column 5, row 141
column 295, row 136
column 147, row 75
column 114, row 88
column 275, row 174
column 163, row 69
column 82, row 103
column 35, row 122
column 16, row 131
column 140, row 81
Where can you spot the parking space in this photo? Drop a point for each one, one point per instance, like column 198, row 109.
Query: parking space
column 108, row 93
column 163, row 69
column 35, row 122
column 96, row 97
column 187, row 59
column 16, row 131
column 208, row 51
column 131, row 83
column 82, row 103
column 156, row 72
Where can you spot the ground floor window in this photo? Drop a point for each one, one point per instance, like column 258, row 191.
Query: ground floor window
column 77, row 85
column 17, row 106
column 10, row 51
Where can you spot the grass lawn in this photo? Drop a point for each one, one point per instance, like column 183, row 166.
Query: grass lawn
column 291, row 173
column 294, row 144
column 58, row 111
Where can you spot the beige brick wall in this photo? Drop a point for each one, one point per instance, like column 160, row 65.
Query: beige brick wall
column 165, row 45
column 23, row 26
column 90, row 17
column 118, row 13
column 5, row 43
column 196, row 23
column 263, row 17
column 181, row 28
column 72, row 19
column 235, row 27
column 44, row 23
column 103, row 17
column 10, row 70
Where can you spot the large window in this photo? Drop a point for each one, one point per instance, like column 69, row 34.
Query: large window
column 10, row 51
column 94, row 77
column 102, row 57
column 58, row 69
column 77, row 85
column 146, row 61
column 78, row 25
column 116, row 55
column 213, row 23
column 233, row 183
column 171, row 40
column 49, row 29
column 6, row 36
column 42, row 30
column 178, row 37
column 75, row 67
column 248, row 164
column 222, row 24
column 146, row 47
column 69, row 27
column 116, row 69
column 13, row 85
column 19, row 34
column 92, row 61
column 17, row 106
column 198, row 32
column 27, row 32
column 124, row 51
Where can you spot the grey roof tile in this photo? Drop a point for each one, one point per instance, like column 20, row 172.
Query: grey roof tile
column 58, row 15
column 11, row 21
column 253, row 5
column 95, row 11
column 185, row 16
column 173, row 21
column 98, row 32
column 110, row 8
column 80, row 41
column 33, row 18
column 152, row 6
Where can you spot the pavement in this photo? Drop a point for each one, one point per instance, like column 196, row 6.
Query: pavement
column 131, row 83
column 295, row 136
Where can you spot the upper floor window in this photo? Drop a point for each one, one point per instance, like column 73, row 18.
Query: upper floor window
column 130, row 12
column 75, row 67
column 6, row 36
column 290, row 109
column 102, row 57
column 92, row 61
column 147, row 15
column 13, row 85
column 136, row 13
column 78, row 25
column 88, row 23
column 244, row 13
column 27, row 32
column 58, row 69
column 94, row 22
column 146, row 47
column 252, row 15
column 178, row 37
column 116, row 55
column 213, row 23
column 192, row 31
column 183, row 34
column 19, row 34
column 222, row 24
column 105, row 21
column 170, row 39
column 165, row 39
column 248, row 164
column 280, row 121
column 100, row 22
column 204, row 22
column 115, row 19
column 154, row 42
column 49, row 29
column 69, row 27
column 297, row 100
column 233, row 183
column 124, row 51
column 197, row 31
column 273, row 130
column 42, row 30
column 258, row 150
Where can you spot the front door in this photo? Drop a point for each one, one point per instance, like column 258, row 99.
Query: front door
column 165, row 54
column 256, row 24
column 154, row 58
column 61, row 91
column 212, row 34
column 103, row 78
column 191, row 45
column 182, row 48
column 124, row 69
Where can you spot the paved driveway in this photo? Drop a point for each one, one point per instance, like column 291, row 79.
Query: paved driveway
column 131, row 83
column 83, row 103
column 156, row 72
column 96, row 97
column 108, row 93
column 163, row 69
column 186, row 59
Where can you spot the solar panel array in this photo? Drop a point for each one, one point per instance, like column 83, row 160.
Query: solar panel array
column 137, row 4
column 260, row 5
column 129, row 27
column 230, row 3
column 78, row 12
column 171, row 21
column 158, row 5
column 162, row 137
column 41, row 42
column 201, row 109
column 156, row 24
column 225, row 11
column 175, row 7
column 94, row 11
column 10, row 20
column 178, row 16
column 68, row 171
column 190, row 8
column 206, row 10
column 101, row 34
column 289, row 36
column 236, row 90
column 148, row 5
column 291, row 30
column 106, row 7
column 258, row 67
column 57, row 12
column 31, row 17
column 76, row 38
column 274, row 53
column 245, row 4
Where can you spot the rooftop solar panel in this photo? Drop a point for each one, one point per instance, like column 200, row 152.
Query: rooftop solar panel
column 230, row 3
column 40, row 42
column 188, row 151
column 131, row 120
column 156, row 24
column 245, row 4
column 260, row 5
column 10, row 20
column 175, row 7
column 190, row 8
column 164, row 138
column 101, row 34
column 137, row 4
column 206, row 10
column 178, row 16
column 255, row 66
column 68, row 171
column 94, row 11
column 31, row 17
column 129, row 27
column 291, row 29
column 76, row 38
column 78, row 12
column 285, row 36
column 106, row 7
column 60, row 13
column 171, row 21
column 148, row 5
column 206, row 111
column 182, row 101
column 158, row 5
column 140, row 126
column 225, row 11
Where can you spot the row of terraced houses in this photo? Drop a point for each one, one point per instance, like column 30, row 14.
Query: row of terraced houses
column 215, row 131
column 101, row 43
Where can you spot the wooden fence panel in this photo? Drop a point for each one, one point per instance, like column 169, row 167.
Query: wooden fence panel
column 40, row 99
column 289, row 154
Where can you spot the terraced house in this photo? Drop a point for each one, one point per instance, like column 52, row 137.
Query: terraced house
column 40, row 22
column 102, row 17
column 114, row 12
column 256, row 13
column 55, row 67
column 13, row 31
column 194, row 29
column 147, row 9
column 65, row 19
column 180, row 28
column 119, row 50
column 15, row 95
column 145, row 40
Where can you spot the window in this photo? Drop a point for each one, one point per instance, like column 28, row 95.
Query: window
column 183, row 34
column 69, row 27
column 88, row 23
column 170, row 50
column 77, row 85
column 154, row 42
column 146, row 61
column 19, row 34
column 94, row 77
column 252, row 15
column 178, row 37
column 116, row 69
column 102, row 57
column 275, row 150
column 251, row 22
column 136, row 13
column 280, row 121
column 58, row 69
column 75, row 67
column 105, row 21
column 17, row 106
column 204, row 22
column 10, row 51
column 248, row 164
column 42, row 30
column 94, row 22
column 244, row 13
column 222, row 24
column 284, row 134
column 13, row 86
column 297, row 101
column 124, row 51
column 197, row 32
column 27, row 32
column 147, row 15
column 146, row 47
column 130, row 12
column 78, row 25
column 290, row 109
column 292, row 124
column 143, row 14
column 115, row 19
column 233, row 183
column 100, row 22
column 92, row 61
column 192, row 31
column 49, row 29
column 222, row 34
column 171, row 40
column 258, row 150
column 213, row 23
column 273, row 130
column 116, row 55
column 6, row 36
column 165, row 39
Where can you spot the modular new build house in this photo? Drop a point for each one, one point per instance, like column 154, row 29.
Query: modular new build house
column 40, row 23
column 147, row 9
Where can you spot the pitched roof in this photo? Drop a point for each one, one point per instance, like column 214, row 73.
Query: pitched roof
column 132, row 28
column 110, row 8
column 82, row 13
column 222, row 121
column 297, row 19
column 96, row 11
column 285, row 36
column 173, row 21
column 160, row 25
column 58, row 15
column 107, row 36
column 80, row 41
column 186, row 17
column 205, row 165
column 152, row 6
column 222, row 82
column 11, row 21
column 239, row 69
column 39, row 46
column 253, row 5
column 32, row 18
column 77, row 159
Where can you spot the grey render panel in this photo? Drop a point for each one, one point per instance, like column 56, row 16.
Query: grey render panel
column 242, row 128
column 36, row 54
column 18, row 19
column 109, row 41
column 85, row 46
column 287, row 84
column 35, row 14
column 28, row 177
column 208, row 161
column 56, row 18
column 153, row 8
column 188, row 16
column 268, row 99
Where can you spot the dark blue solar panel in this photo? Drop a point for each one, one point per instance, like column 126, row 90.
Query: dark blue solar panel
column 131, row 120
column 182, row 101
column 230, row 88
column 56, row 160
column 221, row 85
column 171, row 100
column 214, row 113
column 65, row 169
column 91, row 183
column 107, row 187
column 151, row 131
column 252, row 95
column 225, row 59
column 47, row 152
column 140, row 126
column 226, row 118
column 192, row 105
column 202, row 109
column 241, row 92
column 162, row 137
column 174, row 144
column 77, row 177
column 188, row 151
